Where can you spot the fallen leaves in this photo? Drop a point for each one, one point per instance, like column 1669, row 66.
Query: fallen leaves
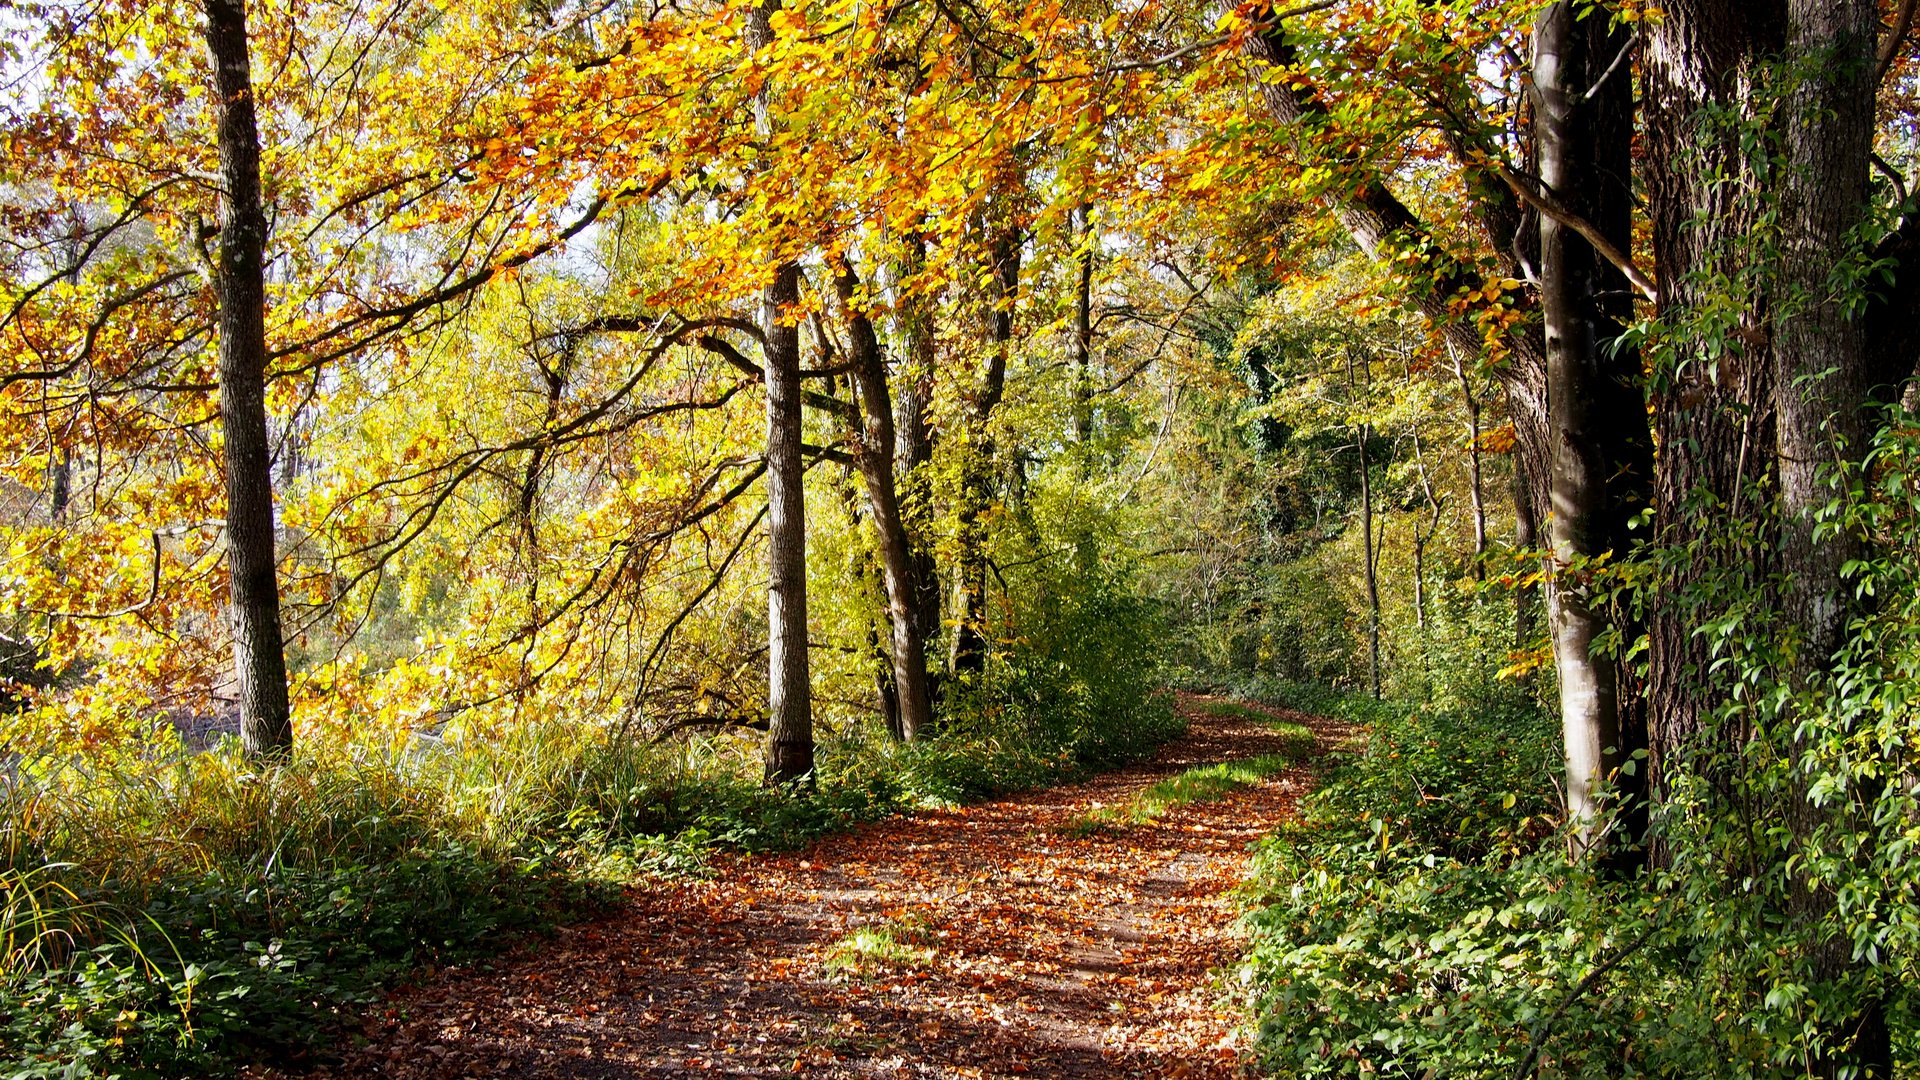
column 984, row 943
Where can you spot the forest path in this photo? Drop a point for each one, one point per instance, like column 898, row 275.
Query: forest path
column 1039, row 953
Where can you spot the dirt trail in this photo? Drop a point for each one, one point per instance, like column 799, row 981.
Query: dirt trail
column 1051, row 955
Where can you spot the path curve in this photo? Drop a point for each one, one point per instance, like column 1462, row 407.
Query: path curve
column 1051, row 955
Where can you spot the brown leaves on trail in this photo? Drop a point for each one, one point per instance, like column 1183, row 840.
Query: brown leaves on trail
column 981, row 942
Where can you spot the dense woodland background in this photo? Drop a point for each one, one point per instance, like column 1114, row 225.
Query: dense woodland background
column 460, row 456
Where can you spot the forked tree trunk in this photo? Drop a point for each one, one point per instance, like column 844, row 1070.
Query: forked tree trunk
column 873, row 453
column 913, row 452
column 259, row 658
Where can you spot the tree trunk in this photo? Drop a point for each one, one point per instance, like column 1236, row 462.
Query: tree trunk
column 1755, row 425
column 1475, row 477
column 1581, row 141
column 969, row 655
column 913, row 451
column 259, row 659
column 789, row 684
column 1526, row 537
column 789, row 754
column 1821, row 383
column 1420, row 540
column 873, row 453
column 1710, row 416
column 1080, row 343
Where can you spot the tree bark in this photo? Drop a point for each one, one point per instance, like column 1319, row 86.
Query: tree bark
column 1710, row 417
column 1819, row 371
column 1080, row 343
column 259, row 658
column 873, row 454
column 789, row 682
column 913, row 451
column 1822, row 381
column 789, row 753
column 1582, row 146
column 1526, row 537
column 1749, row 430
column 969, row 654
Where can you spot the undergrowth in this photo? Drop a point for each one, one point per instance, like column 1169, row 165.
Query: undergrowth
column 165, row 913
column 177, row 919
column 1423, row 919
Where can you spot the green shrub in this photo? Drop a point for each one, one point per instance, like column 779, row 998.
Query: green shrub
column 1077, row 689
column 1371, row 956
column 1423, row 920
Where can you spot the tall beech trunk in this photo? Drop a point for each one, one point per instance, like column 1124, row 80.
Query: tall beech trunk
column 1583, row 128
column 789, row 684
column 789, row 755
column 969, row 654
column 873, row 454
column 259, row 658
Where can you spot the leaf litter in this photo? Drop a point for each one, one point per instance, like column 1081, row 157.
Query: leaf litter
column 984, row 941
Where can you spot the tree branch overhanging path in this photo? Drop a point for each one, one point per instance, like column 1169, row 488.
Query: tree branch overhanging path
column 1042, row 953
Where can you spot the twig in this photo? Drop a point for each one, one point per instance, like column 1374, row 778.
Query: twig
column 1625, row 51
column 1187, row 50
column 1890, row 49
column 1551, row 207
column 153, row 593
column 1540, row 1033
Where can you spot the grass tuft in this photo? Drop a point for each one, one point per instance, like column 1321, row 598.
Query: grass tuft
column 1202, row 783
column 905, row 942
